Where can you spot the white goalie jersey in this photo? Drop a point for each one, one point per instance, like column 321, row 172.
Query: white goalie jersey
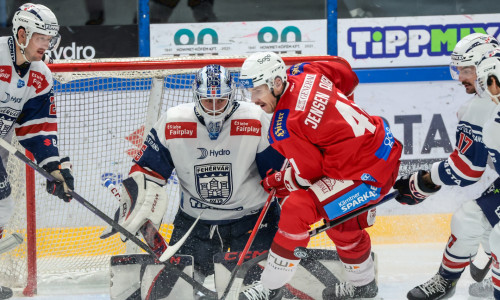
column 220, row 177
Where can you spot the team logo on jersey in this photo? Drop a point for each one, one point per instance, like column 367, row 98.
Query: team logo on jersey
column 367, row 177
column 297, row 69
column 215, row 153
column 5, row 73
column 305, row 91
column 9, row 98
column 38, row 81
column 7, row 118
column 280, row 132
column 176, row 130
column 20, row 83
column 245, row 127
column 214, row 183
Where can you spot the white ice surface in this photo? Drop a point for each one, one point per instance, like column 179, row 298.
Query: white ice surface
column 400, row 268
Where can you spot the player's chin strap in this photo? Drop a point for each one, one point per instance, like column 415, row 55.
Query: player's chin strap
column 278, row 97
column 21, row 48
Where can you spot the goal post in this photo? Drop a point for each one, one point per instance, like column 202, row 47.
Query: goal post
column 105, row 108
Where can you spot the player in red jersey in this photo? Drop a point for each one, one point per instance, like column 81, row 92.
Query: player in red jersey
column 341, row 159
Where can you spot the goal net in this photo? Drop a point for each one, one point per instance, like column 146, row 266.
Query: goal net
column 105, row 107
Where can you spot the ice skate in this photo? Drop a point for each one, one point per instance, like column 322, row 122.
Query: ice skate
column 259, row 292
column 5, row 292
column 436, row 288
column 345, row 290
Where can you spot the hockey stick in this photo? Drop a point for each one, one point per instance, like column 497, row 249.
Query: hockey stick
column 237, row 275
column 234, row 285
column 478, row 274
column 301, row 252
column 10, row 242
column 151, row 235
column 106, row 219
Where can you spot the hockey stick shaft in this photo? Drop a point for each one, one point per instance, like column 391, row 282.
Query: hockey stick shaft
column 234, row 273
column 105, row 218
column 350, row 215
column 151, row 235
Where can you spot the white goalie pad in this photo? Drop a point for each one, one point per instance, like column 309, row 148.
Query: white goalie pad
column 139, row 276
column 10, row 242
column 320, row 269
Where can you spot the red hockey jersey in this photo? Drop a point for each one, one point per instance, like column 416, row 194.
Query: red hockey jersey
column 323, row 133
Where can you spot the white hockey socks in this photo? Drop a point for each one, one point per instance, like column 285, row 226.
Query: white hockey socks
column 360, row 274
column 278, row 271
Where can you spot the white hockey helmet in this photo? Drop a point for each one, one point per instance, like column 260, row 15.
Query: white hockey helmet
column 262, row 68
column 487, row 67
column 469, row 50
column 214, row 82
column 36, row 18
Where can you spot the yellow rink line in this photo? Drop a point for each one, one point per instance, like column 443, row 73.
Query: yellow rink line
column 84, row 241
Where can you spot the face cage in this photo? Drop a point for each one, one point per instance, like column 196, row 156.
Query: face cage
column 214, row 112
column 214, row 123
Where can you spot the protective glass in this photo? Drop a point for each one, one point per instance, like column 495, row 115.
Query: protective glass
column 42, row 41
column 465, row 72
column 253, row 94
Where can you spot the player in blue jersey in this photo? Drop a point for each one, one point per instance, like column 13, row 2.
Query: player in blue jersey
column 27, row 107
column 488, row 84
column 473, row 221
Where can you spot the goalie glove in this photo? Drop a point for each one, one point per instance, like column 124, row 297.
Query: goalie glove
column 63, row 173
column 283, row 182
column 142, row 200
column 414, row 189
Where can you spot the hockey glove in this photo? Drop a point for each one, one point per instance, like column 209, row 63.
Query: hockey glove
column 414, row 189
column 62, row 172
column 142, row 200
column 283, row 182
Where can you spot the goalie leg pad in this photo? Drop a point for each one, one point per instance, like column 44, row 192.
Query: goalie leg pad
column 142, row 200
column 139, row 276
column 319, row 269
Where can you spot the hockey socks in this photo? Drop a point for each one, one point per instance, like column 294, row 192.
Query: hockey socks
column 360, row 274
column 278, row 271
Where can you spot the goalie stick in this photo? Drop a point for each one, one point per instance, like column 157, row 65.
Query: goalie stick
column 4, row 144
column 151, row 235
column 10, row 242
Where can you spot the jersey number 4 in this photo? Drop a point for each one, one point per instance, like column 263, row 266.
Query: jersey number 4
column 359, row 121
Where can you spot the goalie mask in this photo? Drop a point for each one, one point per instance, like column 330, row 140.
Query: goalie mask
column 36, row 18
column 487, row 67
column 214, row 96
column 469, row 51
